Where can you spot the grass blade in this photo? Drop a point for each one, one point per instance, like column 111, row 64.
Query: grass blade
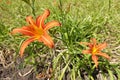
column 111, row 74
column 63, row 71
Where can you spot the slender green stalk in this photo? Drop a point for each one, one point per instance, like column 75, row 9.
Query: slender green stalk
column 109, row 5
column 33, row 7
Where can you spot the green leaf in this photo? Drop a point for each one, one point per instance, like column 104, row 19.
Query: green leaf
column 80, row 78
column 111, row 74
column 55, row 61
column 73, row 74
column 118, row 73
column 63, row 71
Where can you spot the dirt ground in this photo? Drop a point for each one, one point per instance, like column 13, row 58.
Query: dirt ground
column 12, row 68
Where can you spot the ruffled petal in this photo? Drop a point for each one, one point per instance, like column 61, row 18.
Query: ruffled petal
column 25, row 44
column 101, row 46
column 29, row 28
column 86, row 51
column 40, row 20
column 22, row 31
column 47, row 40
column 51, row 24
column 93, row 41
column 88, row 44
column 95, row 59
column 103, row 55
column 30, row 21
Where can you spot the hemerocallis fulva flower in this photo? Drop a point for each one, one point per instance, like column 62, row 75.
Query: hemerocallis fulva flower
column 95, row 50
column 37, row 30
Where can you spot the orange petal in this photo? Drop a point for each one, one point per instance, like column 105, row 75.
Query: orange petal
column 95, row 59
column 40, row 20
column 29, row 28
column 22, row 31
column 103, row 54
column 88, row 44
column 25, row 44
column 86, row 52
column 101, row 46
column 91, row 46
column 30, row 21
column 94, row 41
column 47, row 40
column 51, row 24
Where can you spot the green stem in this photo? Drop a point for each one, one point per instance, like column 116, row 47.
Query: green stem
column 109, row 5
column 33, row 7
column 60, row 6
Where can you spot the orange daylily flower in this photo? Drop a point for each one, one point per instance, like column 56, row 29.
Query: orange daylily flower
column 37, row 31
column 95, row 50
